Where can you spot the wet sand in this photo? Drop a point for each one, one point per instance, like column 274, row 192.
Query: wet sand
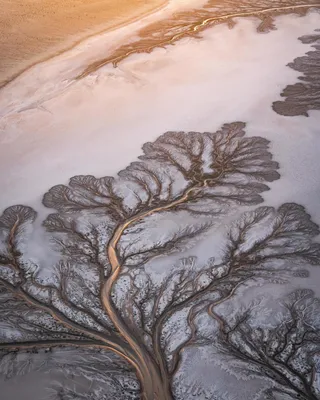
column 34, row 30
column 191, row 22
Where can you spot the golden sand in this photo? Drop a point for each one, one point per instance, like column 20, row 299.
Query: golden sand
column 33, row 30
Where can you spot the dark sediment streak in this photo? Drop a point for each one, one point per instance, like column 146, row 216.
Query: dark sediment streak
column 190, row 23
column 303, row 96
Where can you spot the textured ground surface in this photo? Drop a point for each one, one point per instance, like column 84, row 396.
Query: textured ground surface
column 181, row 261
column 32, row 30
column 303, row 96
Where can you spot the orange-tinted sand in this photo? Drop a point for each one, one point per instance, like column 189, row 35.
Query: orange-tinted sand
column 32, row 30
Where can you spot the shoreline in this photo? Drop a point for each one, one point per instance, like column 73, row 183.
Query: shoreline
column 70, row 132
column 194, row 28
column 144, row 43
column 142, row 36
column 73, row 41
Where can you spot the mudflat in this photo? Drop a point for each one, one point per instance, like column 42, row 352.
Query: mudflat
column 33, row 30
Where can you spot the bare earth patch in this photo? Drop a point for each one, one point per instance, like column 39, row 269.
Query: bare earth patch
column 33, row 30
